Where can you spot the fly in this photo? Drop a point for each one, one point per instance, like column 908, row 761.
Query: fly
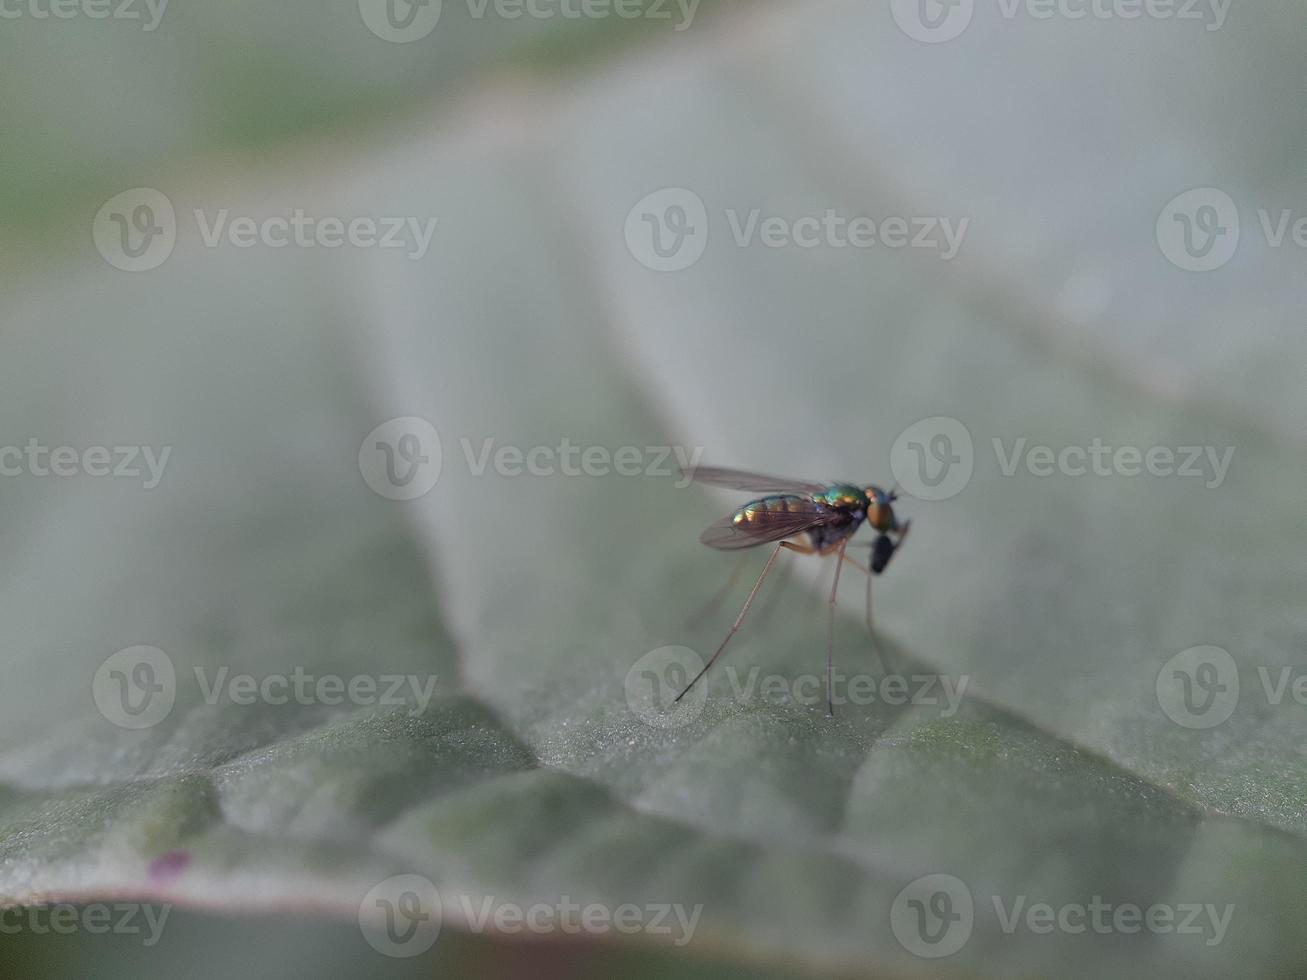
column 828, row 514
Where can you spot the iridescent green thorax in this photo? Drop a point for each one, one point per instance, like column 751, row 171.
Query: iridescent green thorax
column 841, row 496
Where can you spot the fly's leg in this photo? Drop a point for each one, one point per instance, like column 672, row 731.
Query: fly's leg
column 710, row 607
column 738, row 619
column 830, row 631
column 801, row 549
column 772, row 599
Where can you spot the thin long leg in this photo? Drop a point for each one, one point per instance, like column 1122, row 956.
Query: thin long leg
column 738, row 619
column 811, row 609
column 858, row 565
column 871, row 630
column 712, row 605
column 804, row 549
column 830, row 631
column 871, row 633
column 772, row 599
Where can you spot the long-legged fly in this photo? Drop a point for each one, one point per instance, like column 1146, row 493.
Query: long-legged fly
column 828, row 513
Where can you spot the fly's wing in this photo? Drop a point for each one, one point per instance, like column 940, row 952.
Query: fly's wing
column 799, row 515
column 750, row 482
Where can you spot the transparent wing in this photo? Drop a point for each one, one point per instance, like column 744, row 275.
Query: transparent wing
column 751, row 482
column 799, row 516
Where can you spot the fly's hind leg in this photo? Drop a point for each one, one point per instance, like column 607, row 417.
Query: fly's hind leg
column 753, row 593
column 710, row 607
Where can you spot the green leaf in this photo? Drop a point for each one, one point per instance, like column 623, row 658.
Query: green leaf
column 528, row 600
